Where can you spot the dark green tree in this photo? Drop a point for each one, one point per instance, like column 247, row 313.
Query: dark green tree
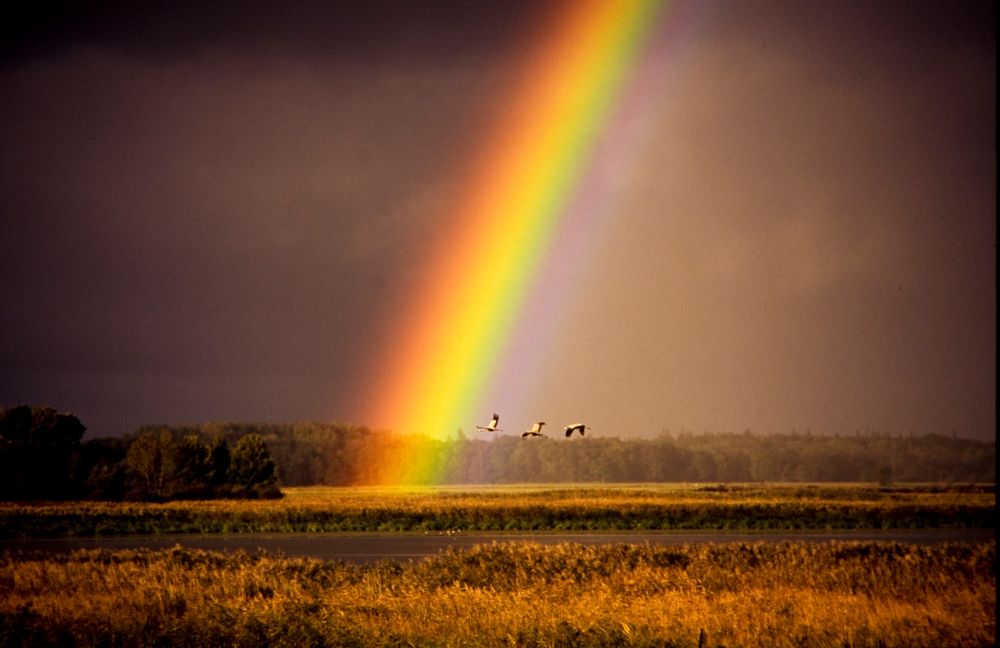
column 148, row 464
column 218, row 462
column 101, row 469
column 39, row 449
column 191, row 467
column 251, row 469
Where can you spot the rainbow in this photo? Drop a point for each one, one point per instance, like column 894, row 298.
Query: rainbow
column 529, row 190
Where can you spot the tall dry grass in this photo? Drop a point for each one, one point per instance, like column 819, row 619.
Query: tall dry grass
column 776, row 595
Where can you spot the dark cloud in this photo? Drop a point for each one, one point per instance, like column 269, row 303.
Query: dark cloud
column 364, row 31
column 208, row 208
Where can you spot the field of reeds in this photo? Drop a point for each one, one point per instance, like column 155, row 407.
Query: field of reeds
column 584, row 507
column 776, row 595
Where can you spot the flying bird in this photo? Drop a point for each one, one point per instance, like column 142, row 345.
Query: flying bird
column 491, row 426
column 536, row 430
column 575, row 427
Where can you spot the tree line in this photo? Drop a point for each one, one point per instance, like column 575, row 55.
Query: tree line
column 311, row 453
column 43, row 456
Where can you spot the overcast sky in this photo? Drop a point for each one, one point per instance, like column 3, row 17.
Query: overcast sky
column 207, row 211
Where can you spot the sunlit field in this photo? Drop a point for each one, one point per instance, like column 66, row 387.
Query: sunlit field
column 515, row 594
column 776, row 595
column 539, row 507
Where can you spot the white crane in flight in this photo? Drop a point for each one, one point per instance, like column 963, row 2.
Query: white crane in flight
column 575, row 427
column 536, row 430
column 491, row 426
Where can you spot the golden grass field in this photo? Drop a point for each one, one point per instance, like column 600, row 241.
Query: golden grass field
column 793, row 594
column 530, row 507
column 832, row 594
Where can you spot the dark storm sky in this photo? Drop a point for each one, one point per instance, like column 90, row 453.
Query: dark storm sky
column 206, row 210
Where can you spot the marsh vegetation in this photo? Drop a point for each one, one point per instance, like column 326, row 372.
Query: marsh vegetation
column 776, row 595
column 523, row 508
column 514, row 594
